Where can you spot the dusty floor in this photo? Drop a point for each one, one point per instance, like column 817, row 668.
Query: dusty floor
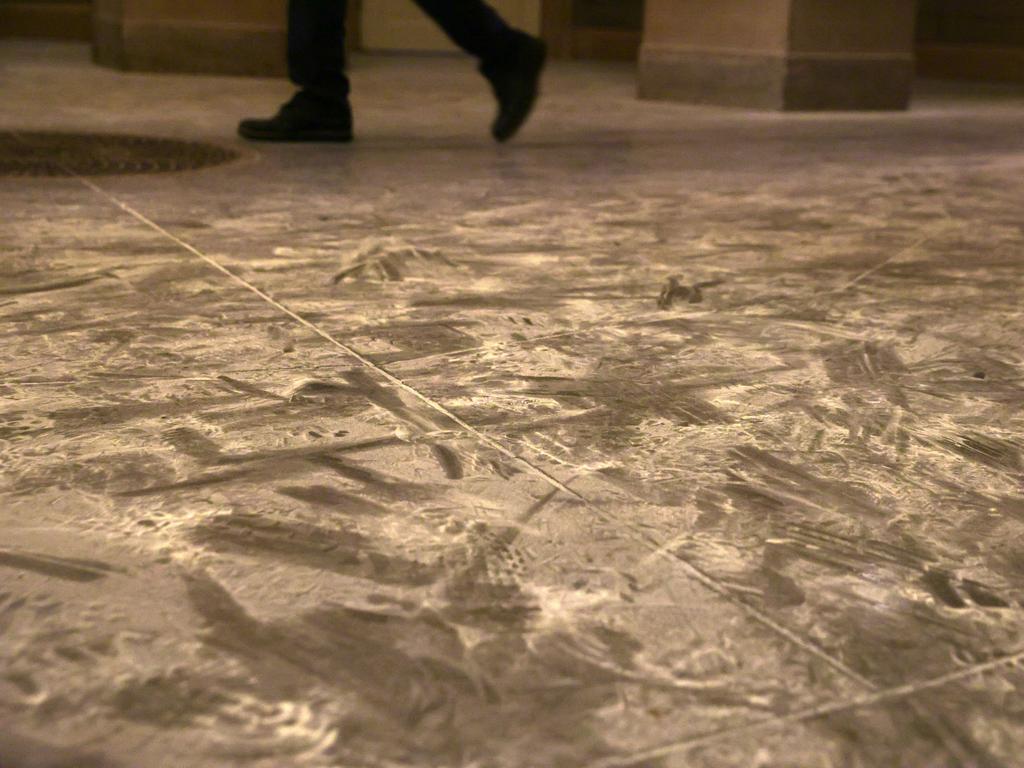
column 489, row 504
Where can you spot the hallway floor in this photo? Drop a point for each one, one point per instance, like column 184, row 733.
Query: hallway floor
column 664, row 436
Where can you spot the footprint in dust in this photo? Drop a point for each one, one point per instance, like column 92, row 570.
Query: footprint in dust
column 954, row 592
column 391, row 259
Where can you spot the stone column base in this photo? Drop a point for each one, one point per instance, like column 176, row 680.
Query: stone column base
column 194, row 36
column 794, row 81
column 192, row 48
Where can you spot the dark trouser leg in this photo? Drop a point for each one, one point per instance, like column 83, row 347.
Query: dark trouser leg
column 316, row 48
column 473, row 26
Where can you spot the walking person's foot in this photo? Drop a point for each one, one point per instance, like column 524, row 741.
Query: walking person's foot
column 516, row 84
column 304, row 118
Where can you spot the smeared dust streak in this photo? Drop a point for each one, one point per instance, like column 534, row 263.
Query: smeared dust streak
column 883, row 696
column 930, row 234
column 350, row 351
column 706, row 580
column 696, row 574
column 720, row 589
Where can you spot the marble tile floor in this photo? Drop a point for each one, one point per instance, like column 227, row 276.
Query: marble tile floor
column 664, row 436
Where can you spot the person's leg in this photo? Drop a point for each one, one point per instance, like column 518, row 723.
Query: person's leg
column 511, row 60
column 316, row 63
column 473, row 26
column 316, row 47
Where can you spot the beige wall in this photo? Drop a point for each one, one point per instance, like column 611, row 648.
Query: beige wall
column 248, row 36
column 399, row 25
column 245, row 12
column 227, row 36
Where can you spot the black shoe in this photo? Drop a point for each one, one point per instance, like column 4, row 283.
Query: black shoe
column 304, row 118
column 516, row 83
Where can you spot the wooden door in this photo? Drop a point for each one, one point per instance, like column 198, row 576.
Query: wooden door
column 57, row 19
column 971, row 39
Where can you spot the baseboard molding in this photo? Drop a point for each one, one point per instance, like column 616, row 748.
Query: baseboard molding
column 776, row 81
column 703, row 77
column 848, row 82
